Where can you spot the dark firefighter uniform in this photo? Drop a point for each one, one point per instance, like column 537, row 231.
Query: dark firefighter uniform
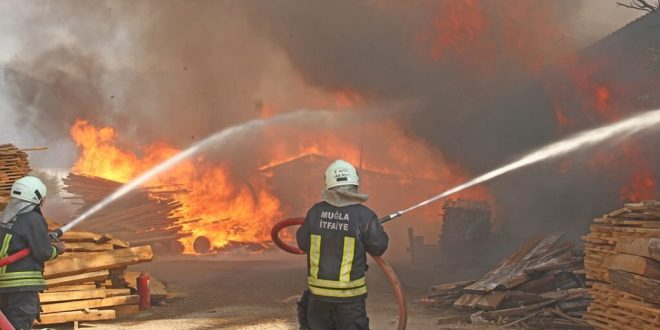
column 21, row 281
column 337, row 240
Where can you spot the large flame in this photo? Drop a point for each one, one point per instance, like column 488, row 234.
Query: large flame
column 226, row 208
column 212, row 205
column 599, row 96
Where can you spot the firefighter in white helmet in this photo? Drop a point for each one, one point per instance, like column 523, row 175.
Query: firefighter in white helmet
column 22, row 225
column 337, row 234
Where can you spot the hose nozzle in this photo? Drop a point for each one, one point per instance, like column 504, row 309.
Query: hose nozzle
column 56, row 234
column 391, row 216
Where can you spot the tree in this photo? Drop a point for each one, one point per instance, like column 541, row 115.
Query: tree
column 645, row 5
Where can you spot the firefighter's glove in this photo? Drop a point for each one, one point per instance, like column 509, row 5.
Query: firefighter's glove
column 59, row 246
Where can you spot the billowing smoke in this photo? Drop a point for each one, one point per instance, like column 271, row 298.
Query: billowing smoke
column 481, row 82
column 489, row 82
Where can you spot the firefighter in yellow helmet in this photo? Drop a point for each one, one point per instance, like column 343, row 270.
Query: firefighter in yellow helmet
column 337, row 234
column 23, row 226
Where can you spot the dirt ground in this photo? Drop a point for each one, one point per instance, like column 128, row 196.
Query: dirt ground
column 259, row 292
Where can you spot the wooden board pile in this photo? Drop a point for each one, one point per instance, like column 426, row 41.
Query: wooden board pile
column 622, row 261
column 541, row 284
column 88, row 282
column 143, row 216
column 13, row 165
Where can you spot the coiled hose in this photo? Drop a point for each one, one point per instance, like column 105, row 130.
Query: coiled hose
column 387, row 269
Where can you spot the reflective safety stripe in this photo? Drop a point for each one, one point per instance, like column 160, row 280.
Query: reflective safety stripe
column 336, row 284
column 53, row 255
column 27, row 282
column 26, row 278
column 347, row 259
column 4, row 249
column 34, row 274
column 338, row 293
column 314, row 255
column 341, row 288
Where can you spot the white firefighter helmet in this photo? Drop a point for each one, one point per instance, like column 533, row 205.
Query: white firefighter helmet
column 341, row 173
column 29, row 188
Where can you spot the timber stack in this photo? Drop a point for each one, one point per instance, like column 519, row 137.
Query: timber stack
column 88, row 282
column 13, row 165
column 144, row 216
column 542, row 284
column 622, row 261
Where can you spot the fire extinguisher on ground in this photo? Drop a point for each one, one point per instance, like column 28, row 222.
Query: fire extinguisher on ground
column 143, row 291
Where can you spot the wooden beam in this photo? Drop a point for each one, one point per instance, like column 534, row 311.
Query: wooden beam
column 97, row 261
column 87, row 247
column 492, row 300
column 71, row 295
column 634, row 264
column 645, row 247
column 125, row 310
column 90, row 303
column 80, row 287
column 78, row 278
column 89, row 315
column 640, row 286
column 80, row 236
column 117, row 292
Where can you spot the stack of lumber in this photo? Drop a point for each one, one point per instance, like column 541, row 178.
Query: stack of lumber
column 622, row 261
column 541, row 284
column 13, row 165
column 143, row 216
column 88, row 281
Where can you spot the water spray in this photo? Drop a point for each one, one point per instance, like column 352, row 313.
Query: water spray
column 578, row 141
column 214, row 140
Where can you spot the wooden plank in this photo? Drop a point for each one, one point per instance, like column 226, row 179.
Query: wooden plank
column 90, row 303
column 467, row 301
column 97, row 261
column 645, row 247
column 100, row 275
column 80, row 236
column 634, row 264
column 126, row 310
column 510, row 272
column 450, row 286
column 87, row 247
column 494, row 315
column 71, row 295
column 88, row 315
column 492, row 300
column 117, row 292
column 641, row 286
column 80, row 287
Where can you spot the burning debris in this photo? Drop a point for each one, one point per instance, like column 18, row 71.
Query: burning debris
column 86, row 283
column 541, row 284
column 145, row 216
column 622, row 261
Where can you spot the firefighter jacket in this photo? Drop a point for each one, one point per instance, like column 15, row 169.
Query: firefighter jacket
column 29, row 230
column 337, row 240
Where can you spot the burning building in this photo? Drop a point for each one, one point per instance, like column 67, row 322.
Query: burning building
column 422, row 96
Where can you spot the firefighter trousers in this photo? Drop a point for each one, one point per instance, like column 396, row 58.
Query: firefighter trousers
column 323, row 315
column 21, row 308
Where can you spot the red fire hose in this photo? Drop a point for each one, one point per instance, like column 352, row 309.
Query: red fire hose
column 4, row 322
column 14, row 257
column 389, row 272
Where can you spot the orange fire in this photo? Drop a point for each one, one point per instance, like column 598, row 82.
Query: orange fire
column 229, row 209
column 483, row 36
column 641, row 187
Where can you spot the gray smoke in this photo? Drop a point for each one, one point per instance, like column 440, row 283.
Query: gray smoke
column 179, row 70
